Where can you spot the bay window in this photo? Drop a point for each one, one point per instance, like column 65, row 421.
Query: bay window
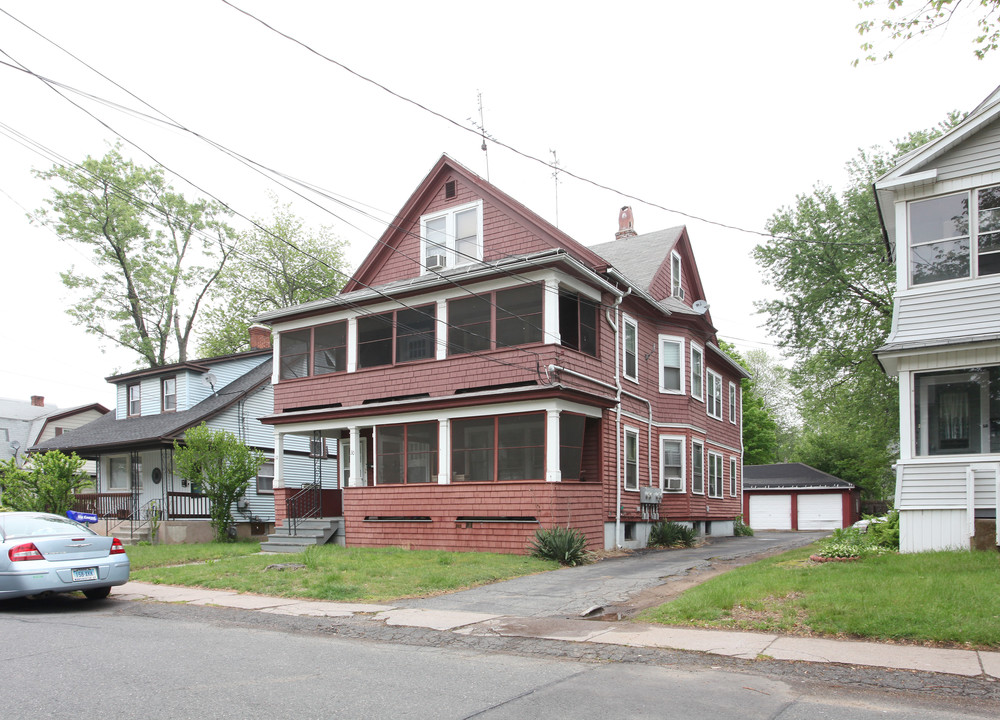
column 957, row 412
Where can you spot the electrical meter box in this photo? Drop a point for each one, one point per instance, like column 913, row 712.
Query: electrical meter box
column 650, row 495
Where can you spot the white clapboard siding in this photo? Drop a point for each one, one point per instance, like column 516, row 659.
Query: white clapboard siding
column 932, row 486
column 979, row 153
column 928, row 530
column 986, row 487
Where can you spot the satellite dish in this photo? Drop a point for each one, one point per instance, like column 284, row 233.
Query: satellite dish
column 210, row 380
column 700, row 307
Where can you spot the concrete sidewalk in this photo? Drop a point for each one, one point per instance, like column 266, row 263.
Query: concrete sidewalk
column 969, row 663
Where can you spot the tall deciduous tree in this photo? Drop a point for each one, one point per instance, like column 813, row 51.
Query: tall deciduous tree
column 280, row 262
column 222, row 466
column 760, row 430
column 903, row 22
column 156, row 255
column 828, row 259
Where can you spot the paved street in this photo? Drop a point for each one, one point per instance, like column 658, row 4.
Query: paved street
column 66, row 658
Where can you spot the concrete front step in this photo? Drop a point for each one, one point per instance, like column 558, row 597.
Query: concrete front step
column 314, row 531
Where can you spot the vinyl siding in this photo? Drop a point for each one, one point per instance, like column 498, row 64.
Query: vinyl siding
column 980, row 153
column 943, row 485
column 958, row 311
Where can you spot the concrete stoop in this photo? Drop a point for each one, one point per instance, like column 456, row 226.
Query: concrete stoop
column 314, row 531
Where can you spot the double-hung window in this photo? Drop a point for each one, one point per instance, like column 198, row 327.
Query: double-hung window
column 733, row 417
column 452, row 237
column 672, row 464
column 134, row 400
column 714, row 474
column 631, row 459
column 732, row 477
column 630, row 349
column 697, row 468
column 675, row 276
column 671, row 364
column 697, row 372
column 168, row 394
column 118, row 475
column 265, row 478
column 714, row 395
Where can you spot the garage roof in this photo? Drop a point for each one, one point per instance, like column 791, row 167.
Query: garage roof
column 791, row 476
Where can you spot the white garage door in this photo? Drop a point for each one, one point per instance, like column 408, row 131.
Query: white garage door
column 820, row 512
column 771, row 512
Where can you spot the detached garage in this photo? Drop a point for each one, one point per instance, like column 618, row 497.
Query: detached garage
column 795, row 496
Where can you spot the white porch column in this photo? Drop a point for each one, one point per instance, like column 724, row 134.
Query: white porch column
column 279, row 459
column 356, row 477
column 550, row 310
column 444, row 452
column 441, row 349
column 352, row 350
column 553, row 471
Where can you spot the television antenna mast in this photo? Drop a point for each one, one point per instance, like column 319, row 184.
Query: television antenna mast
column 555, row 178
column 481, row 127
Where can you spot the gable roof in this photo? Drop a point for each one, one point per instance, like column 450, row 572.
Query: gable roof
column 109, row 433
column 410, row 213
column 912, row 168
column 789, row 476
column 196, row 366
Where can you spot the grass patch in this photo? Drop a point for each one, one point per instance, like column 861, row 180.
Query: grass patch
column 151, row 556
column 942, row 597
column 347, row 574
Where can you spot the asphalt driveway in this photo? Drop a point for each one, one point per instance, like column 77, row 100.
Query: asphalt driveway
column 568, row 592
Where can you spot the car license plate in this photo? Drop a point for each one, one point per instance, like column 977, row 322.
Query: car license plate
column 84, row 574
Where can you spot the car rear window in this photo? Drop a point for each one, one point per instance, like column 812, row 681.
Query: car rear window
column 37, row 525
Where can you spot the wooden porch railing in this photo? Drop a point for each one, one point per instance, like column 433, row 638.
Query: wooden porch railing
column 105, row 505
column 185, row 505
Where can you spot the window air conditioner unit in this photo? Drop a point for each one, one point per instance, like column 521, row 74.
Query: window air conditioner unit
column 650, row 495
column 673, row 483
column 679, row 293
column 437, row 262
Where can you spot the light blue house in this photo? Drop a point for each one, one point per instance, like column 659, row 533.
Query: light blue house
column 133, row 446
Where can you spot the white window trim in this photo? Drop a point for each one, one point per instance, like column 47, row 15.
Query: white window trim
column 733, row 397
column 626, row 321
column 720, row 477
column 634, row 432
column 676, row 282
column 732, row 476
column 453, row 259
column 701, row 351
column 701, row 445
column 716, row 380
column 680, row 354
column 683, row 442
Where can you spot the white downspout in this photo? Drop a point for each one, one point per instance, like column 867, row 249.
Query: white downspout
column 618, row 418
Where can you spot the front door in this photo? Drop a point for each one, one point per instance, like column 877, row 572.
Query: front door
column 344, row 458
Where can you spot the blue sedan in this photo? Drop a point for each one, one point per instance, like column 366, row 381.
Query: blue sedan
column 42, row 553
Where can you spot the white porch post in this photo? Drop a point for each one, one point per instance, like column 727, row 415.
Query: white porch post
column 444, row 452
column 441, row 349
column 352, row 349
column 553, row 472
column 356, row 477
column 279, row 459
column 550, row 310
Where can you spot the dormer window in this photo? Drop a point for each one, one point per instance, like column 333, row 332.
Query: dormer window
column 945, row 245
column 168, row 394
column 134, row 400
column 452, row 237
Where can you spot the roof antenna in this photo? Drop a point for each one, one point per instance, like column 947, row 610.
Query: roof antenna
column 555, row 178
column 481, row 126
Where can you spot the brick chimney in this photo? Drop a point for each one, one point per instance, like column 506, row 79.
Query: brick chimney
column 260, row 337
column 38, row 401
column 625, row 229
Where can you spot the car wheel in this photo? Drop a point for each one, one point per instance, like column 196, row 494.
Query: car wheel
column 97, row 593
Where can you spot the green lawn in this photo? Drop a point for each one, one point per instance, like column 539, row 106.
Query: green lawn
column 331, row 572
column 950, row 597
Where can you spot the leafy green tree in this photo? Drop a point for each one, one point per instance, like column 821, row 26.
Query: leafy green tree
column 829, row 260
column 904, row 23
column 280, row 263
column 46, row 484
column 760, row 430
column 156, row 254
column 222, row 466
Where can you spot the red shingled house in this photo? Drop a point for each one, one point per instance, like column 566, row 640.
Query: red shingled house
column 484, row 375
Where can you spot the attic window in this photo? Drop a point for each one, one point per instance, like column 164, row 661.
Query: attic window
column 449, row 189
column 452, row 237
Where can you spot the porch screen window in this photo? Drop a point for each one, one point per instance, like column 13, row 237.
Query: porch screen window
column 714, row 475
column 168, row 389
column 631, row 460
column 375, row 340
column 957, row 412
column 134, row 400
column 330, row 348
column 265, row 478
column 469, row 324
column 519, row 315
column 407, row 453
column 672, row 464
column 939, row 239
column 571, row 428
column 118, row 477
column 578, row 323
column 508, row 447
column 697, row 468
column 294, row 356
column 415, row 334
column 671, row 365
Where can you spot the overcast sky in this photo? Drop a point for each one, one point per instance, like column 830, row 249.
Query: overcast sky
column 723, row 111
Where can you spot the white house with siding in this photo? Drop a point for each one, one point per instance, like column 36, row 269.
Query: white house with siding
column 940, row 209
column 133, row 446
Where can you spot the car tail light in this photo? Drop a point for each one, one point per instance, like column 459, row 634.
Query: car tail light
column 25, row 551
column 116, row 547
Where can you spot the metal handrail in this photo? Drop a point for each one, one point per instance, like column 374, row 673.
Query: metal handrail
column 306, row 503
